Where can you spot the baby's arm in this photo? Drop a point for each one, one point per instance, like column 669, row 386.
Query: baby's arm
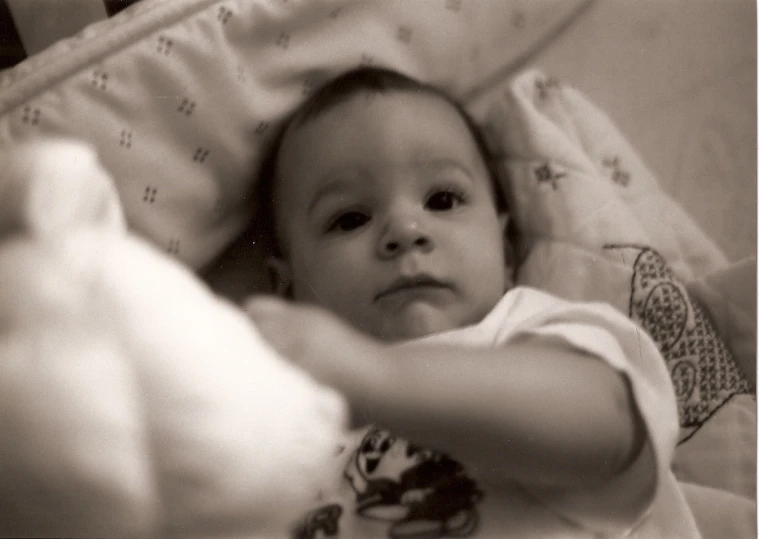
column 533, row 410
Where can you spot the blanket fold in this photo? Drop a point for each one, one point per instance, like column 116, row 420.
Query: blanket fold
column 597, row 226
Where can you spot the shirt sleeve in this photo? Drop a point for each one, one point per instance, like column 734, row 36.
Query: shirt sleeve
column 598, row 329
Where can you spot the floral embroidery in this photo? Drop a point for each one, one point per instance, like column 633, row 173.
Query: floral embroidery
column 703, row 370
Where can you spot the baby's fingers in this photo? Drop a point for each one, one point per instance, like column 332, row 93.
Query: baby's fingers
column 260, row 308
column 272, row 318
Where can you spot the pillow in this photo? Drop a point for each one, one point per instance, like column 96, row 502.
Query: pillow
column 597, row 226
column 179, row 98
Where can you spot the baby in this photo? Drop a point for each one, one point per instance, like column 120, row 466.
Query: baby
column 555, row 418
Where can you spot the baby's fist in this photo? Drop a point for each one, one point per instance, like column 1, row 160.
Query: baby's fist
column 312, row 338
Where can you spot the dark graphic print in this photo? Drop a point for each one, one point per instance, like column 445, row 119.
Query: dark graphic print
column 325, row 520
column 422, row 493
column 703, row 370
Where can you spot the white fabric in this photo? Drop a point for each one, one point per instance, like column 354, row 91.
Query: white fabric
column 721, row 514
column 134, row 402
column 643, row 502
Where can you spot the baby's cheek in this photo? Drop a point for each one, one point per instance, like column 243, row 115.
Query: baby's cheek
column 324, row 280
column 486, row 270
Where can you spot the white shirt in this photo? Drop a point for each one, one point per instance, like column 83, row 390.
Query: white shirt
column 391, row 488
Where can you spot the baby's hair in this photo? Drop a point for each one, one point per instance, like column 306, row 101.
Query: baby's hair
column 370, row 80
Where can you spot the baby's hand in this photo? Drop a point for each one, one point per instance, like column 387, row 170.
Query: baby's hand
column 334, row 353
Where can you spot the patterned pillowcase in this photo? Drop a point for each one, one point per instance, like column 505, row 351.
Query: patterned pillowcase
column 180, row 98
column 597, row 226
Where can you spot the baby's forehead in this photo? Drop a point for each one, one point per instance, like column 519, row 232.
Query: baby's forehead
column 419, row 130
column 328, row 101
column 426, row 119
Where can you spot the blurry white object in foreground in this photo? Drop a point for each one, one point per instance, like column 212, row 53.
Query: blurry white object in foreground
column 133, row 402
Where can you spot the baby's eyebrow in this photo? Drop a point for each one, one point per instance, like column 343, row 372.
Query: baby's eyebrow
column 444, row 163
column 331, row 186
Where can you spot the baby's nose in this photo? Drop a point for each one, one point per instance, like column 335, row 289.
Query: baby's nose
column 402, row 235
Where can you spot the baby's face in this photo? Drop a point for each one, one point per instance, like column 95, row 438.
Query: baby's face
column 387, row 217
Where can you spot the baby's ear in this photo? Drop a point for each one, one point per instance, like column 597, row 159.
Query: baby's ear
column 280, row 277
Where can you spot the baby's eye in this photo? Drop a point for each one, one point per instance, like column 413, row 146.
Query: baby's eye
column 444, row 200
column 345, row 222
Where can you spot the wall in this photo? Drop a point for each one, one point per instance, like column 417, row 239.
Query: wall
column 679, row 78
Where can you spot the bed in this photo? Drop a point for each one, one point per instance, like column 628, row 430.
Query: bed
column 630, row 130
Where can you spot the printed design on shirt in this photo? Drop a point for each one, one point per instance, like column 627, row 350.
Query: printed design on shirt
column 422, row 493
column 325, row 519
column 703, row 370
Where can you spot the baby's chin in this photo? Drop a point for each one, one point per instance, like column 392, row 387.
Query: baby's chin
column 414, row 323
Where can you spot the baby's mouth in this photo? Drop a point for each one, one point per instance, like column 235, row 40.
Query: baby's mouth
column 417, row 283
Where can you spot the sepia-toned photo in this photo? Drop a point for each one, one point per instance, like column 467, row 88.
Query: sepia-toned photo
column 368, row 269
